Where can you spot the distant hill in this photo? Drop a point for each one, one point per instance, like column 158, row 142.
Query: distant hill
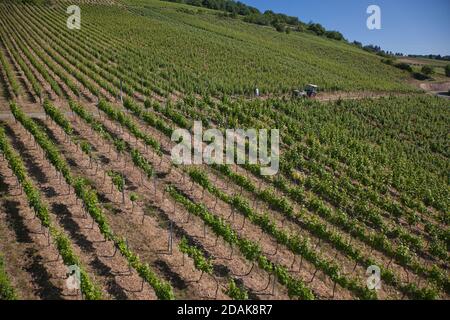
column 200, row 50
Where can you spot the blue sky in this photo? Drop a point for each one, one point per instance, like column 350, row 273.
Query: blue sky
column 408, row 26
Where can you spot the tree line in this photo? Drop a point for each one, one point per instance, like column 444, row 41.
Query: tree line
column 281, row 22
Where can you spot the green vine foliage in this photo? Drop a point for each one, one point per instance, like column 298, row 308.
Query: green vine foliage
column 7, row 291
column 200, row 261
column 235, row 292
column 90, row 200
column 62, row 243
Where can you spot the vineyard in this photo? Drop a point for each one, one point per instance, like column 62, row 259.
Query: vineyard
column 87, row 179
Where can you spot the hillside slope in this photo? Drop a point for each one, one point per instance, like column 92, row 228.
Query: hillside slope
column 362, row 182
column 194, row 50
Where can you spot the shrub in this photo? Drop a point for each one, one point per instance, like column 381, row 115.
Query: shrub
column 404, row 66
column 301, row 28
column 420, row 76
column 389, row 61
column 317, row 28
column 428, row 70
column 334, row 35
column 447, row 70
column 279, row 27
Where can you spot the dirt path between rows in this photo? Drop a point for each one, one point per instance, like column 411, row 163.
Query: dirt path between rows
column 148, row 236
column 112, row 273
column 31, row 259
column 145, row 236
column 166, row 144
column 179, row 179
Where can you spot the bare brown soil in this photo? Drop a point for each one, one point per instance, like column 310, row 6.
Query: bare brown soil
column 436, row 87
column 145, row 224
column 113, row 274
column 176, row 177
column 32, row 261
column 146, row 234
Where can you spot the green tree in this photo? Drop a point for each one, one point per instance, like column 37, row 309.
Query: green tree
column 428, row 70
column 279, row 27
column 404, row 66
column 447, row 70
column 317, row 28
column 334, row 35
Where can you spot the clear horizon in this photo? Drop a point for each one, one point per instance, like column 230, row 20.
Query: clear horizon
column 408, row 26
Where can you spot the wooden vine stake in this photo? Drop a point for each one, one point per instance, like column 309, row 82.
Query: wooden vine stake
column 171, row 237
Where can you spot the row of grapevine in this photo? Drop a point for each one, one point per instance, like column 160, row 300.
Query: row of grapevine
column 200, row 261
column 61, row 60
column 7, row 69
column 24, row 67
column 235, row 292
column 405, row 236
column 400, row 254
column 89, row 197
column 410, row 289
column 295, row 243
column 250, row 250
column 61, row 241
column 38, row 66
column 7, row 291
column 338, row 218
column 320, row 264
column 205, row 265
